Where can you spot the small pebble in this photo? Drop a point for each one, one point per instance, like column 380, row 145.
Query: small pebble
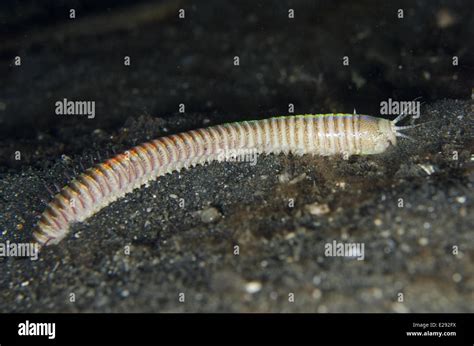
column 423, row 241
column 322, row 309
column 316, row 294
column 429, row 169
column 405, row 247
column 284, row 178
column 290, row 235
column 377, row 293
column 316, row 280
column 297, row 179
column 317, row 209
column 209, row 215
column 253, row 287
column 400, row 308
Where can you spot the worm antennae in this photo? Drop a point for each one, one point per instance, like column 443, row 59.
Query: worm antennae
column 399, row 118
column 398, row 128
column 399, row 134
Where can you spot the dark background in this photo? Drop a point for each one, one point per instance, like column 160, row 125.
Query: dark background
column 282, row 61
column 191, row 61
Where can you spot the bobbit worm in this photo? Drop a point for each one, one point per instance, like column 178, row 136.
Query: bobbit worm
column 316, row 134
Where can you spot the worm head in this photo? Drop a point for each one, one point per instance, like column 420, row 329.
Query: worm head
column 376, row 135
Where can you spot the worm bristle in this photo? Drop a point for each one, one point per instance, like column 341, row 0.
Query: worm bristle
column 51, row 193
column 56, row 186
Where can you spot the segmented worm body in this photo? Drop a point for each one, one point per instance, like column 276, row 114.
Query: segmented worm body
column 322, row 134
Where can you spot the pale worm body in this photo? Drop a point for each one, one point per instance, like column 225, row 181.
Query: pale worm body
column 323, row 134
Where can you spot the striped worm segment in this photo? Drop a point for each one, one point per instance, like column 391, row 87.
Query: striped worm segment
column 97, row 187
